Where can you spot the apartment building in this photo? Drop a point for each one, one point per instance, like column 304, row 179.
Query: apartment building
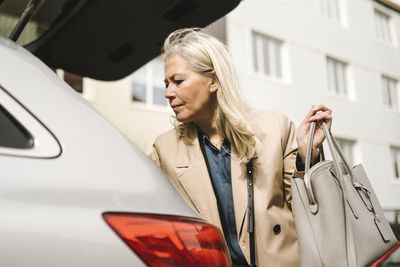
column 344, row 54
column 292, row 55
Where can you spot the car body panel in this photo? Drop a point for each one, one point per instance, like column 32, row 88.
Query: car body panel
column 52, row 207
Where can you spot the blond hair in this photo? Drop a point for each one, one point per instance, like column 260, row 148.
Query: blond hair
column 209, row 57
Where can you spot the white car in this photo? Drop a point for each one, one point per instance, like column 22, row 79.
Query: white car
column 73, row 190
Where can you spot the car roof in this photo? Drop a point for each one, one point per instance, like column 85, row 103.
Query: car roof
column 108, row 40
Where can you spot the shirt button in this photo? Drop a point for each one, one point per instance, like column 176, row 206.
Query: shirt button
column 276, row 229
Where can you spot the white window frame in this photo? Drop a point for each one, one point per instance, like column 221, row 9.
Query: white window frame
column 276, row 62
column 149, row 84
column 390, row 95
column 338, row 80
column 384, row 27
column 395, row 162
column 334, row 10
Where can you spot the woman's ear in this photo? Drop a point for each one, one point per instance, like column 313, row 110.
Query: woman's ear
column 214, row 86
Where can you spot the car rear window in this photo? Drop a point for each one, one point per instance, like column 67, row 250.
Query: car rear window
column 42, row 19
column 12, row 133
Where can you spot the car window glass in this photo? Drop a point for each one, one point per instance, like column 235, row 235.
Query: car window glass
column 12, row 133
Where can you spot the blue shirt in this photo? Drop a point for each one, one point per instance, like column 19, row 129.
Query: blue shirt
column 219, row 168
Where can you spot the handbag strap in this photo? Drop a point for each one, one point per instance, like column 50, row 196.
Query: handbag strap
column 250, row 212
column 334, row 148
column 309, row 147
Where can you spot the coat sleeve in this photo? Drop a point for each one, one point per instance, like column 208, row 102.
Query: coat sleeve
column 289, row 149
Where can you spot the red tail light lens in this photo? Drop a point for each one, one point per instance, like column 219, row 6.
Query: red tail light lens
column 161, row 240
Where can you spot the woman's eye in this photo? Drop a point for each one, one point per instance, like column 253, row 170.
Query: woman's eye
column 178, row 81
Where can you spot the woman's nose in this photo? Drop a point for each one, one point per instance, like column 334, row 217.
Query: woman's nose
column 169, row 92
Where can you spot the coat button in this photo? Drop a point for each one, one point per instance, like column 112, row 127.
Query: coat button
column 276, row 229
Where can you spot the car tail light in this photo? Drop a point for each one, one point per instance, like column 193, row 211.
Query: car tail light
column 161, row 240
column 381, row 261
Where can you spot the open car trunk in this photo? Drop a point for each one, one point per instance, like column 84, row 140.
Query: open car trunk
column 108, row 40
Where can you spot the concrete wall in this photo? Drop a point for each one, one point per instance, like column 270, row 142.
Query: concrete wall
column 308, row 38
column 140, row 123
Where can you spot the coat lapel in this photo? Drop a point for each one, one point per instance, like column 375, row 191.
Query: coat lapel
column 195, row 180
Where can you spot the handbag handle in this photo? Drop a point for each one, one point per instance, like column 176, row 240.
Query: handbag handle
column 334, row 149
column 309, row 147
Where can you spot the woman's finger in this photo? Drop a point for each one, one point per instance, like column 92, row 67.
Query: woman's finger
column 321, row 116
column 322, row 108
column 309, row 114
column 314, row 112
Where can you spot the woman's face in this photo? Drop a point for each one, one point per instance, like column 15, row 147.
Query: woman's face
column 190, row 94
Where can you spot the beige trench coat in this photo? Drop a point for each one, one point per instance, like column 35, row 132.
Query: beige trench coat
column 276, row 240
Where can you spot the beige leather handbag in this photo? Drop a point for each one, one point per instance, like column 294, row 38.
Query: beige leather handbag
column 339, row 220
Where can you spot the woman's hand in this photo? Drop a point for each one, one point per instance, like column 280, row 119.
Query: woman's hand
column 317, row 113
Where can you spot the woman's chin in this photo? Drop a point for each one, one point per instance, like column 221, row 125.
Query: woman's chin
column 181, row 118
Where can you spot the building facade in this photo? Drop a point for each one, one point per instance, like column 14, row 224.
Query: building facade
column 343, row 54
column 291, row 55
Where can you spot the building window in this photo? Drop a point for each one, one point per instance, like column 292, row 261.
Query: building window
column 148, row 84
column 331, row 10
column 395, row 151
column 73, row 80
column 267, row 58
column 390, row 93
column 337, row 80
column 158, row 85
column 139, row 85
column 383, row 28
column 347, row 147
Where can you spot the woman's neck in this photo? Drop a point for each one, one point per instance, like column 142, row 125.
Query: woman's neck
column 210, row 129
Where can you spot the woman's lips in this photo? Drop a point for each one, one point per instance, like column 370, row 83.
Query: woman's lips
column 175, row 107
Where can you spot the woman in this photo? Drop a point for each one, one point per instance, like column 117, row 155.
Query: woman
column 215, row 135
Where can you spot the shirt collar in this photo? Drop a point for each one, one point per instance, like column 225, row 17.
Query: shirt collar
column 203, row 137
